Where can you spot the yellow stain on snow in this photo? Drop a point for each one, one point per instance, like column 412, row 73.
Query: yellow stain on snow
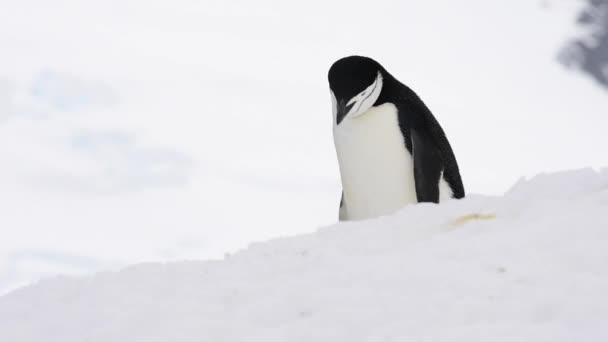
column 472, row 217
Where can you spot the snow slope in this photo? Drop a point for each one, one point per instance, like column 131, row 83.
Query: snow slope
column 528, row 266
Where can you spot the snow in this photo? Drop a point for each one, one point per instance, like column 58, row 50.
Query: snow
column 526, row 266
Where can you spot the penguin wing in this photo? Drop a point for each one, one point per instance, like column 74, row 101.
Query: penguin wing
column 427, row 166
column 342, row 210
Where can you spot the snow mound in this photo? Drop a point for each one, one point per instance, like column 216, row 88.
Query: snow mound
column 529, row 266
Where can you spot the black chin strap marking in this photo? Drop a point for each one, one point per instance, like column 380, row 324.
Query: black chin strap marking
column 370, row 93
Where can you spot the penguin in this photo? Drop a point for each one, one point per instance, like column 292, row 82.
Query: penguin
column 391, row 150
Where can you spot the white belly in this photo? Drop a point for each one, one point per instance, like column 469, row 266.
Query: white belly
column 377, row 170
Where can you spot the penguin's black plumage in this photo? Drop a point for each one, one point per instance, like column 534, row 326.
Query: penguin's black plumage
column 386, row 139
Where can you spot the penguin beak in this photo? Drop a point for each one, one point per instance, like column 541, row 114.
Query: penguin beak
column 343, row 109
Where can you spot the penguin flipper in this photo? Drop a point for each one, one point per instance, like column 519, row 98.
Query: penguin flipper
column 342, row 210
column 427, row 166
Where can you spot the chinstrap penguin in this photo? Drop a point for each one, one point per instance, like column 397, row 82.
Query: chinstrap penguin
column 391, row 150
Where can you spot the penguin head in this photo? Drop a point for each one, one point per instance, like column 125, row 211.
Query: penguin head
column 355, row 84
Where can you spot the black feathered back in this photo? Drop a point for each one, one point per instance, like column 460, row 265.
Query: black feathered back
column 413, row 113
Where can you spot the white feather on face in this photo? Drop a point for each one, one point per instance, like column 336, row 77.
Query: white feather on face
column 363, row 101
column 334, row 104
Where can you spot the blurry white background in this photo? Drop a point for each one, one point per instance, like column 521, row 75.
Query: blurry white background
column 135, row 131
